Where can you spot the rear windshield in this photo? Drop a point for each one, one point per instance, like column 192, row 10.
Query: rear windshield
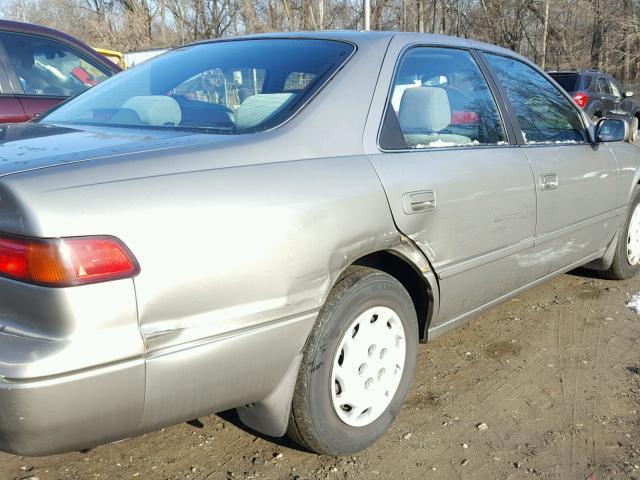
column 566, row 80
column 225, row 87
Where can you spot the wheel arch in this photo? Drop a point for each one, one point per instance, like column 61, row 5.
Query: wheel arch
column 415, row 274
column 404, row 261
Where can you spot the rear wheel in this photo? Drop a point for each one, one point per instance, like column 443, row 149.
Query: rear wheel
column 357, row 365
column 626, row 260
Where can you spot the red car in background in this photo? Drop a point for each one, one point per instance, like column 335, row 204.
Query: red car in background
column 41, row 67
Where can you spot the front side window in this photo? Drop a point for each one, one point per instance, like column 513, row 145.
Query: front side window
column 545, row 115
column 226, row 87
column 588, row 83
column 440, row 98
column 48, row 67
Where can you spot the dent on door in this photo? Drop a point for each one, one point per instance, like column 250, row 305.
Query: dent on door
column 477, row 227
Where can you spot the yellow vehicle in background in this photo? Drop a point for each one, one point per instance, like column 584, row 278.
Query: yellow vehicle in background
column 114, row 56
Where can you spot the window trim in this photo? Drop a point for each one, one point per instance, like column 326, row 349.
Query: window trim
column 512, row 114
column 18, row 91
column 503, row 113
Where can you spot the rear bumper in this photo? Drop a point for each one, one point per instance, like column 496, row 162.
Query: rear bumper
column 72, row 371
column 65, row 412
column 72, row 411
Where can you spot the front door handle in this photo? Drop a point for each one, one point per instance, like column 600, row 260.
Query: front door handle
column 416, row 202
column 548, row 181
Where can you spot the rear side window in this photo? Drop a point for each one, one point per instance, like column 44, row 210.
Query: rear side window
column 545, row 115
column 587, row 82
column 566, row 80
column 603, row 86
column 47, row 67
column 439, row 98
column 226, row 87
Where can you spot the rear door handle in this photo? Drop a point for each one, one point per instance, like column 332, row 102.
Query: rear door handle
column 548, row 181
column 416, row 202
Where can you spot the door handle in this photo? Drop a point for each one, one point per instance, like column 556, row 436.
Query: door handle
column 416, row 202
column 548, row 181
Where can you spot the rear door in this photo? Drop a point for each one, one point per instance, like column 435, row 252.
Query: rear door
column 44, row 71
column 457, row 185
column 576, row 181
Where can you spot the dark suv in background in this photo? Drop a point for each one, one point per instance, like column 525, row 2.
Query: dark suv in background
column 41, row 67
column 600, row 95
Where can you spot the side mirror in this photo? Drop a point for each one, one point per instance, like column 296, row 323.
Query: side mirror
column 627, row 95
column 611, row 130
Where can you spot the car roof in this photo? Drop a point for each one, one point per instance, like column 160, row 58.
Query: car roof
column 33, row 29
column 365, row 36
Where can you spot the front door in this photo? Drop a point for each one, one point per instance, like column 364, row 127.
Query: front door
column 456, row 185
column 576, row 181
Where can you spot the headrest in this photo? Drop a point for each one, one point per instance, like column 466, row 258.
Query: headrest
column 257, row 108
column 156, row 110
column 424, row 109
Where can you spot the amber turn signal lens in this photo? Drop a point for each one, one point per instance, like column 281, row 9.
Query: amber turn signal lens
column 64, row 262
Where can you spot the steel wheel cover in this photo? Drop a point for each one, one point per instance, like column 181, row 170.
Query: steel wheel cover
column 368, row 366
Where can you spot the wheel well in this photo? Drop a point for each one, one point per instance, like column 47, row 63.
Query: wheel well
column 410, row 279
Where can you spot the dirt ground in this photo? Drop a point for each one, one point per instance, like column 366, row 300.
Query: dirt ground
column 553, row 373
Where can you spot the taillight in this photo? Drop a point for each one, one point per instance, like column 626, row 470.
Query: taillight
column 65, row 262
column 581, row 99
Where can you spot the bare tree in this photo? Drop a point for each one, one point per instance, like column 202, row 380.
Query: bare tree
column 604, row 35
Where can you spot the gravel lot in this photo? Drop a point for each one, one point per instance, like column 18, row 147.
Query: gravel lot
column 552, row 373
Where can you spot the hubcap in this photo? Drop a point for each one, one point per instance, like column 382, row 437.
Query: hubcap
column 368, row 366
column 633, row 237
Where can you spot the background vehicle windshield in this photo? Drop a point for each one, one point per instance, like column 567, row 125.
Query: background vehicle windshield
column 226, row 87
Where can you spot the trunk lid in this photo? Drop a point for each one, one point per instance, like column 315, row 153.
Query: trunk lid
column 30, row 146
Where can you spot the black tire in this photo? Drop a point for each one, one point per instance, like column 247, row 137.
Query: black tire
column 621, row 269
column 314, row 423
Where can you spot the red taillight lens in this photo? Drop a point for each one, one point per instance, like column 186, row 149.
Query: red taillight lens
column 581, row 99
column 64, row 262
